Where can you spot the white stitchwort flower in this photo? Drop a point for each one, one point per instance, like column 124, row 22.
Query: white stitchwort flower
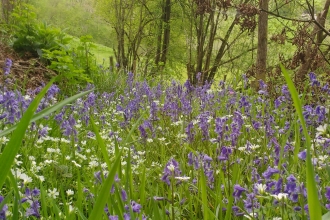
column 280, row 196
column 182, row 178
column 260, row 187
column 53, row 193
column 69, row 192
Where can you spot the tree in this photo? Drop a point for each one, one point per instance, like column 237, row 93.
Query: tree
column 262, row 43
column 208, row 19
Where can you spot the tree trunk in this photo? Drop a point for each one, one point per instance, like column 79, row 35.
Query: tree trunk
column 166, row 36
column 261, row 64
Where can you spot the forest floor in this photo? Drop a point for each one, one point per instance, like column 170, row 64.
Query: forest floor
column 27, row 72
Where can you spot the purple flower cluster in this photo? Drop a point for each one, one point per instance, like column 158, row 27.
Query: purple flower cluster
column 7, row 66
column 31, row 196
column 3, row 210
column 171, row 170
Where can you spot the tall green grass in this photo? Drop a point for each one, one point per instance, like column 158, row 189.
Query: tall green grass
column 314, row 205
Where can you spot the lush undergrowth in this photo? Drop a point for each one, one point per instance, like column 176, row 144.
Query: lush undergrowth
column 185, row 152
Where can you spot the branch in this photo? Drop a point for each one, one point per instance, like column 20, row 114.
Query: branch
column 286, row 18
column 238, row 56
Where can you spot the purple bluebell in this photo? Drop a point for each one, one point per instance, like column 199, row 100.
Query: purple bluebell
column 220, row 123
column 251, row 202
column 123, row 195
column 43, row 132
column 32, row 197
column 171, row 170
column 302, row 155
column 204, row 125
column 256, row 125
column 238, row 190
column 262, row 88
column 291, row 184
column 313, row 79
column 143, row 132
column 270, row 172
column 153, row 111
column 127, row 216
column 224, row 153
column 327, row 193
column 7, row 66
column 190, row 132
column 3, row 210
column 136, row 207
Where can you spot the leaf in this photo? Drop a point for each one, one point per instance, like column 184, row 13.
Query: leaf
column 326, row 216
column 104, row 193
column 314, row 205
column 204, row 195
column 8, row 155
column 47, row 111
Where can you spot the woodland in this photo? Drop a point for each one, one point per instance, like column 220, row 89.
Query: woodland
column 165, row 109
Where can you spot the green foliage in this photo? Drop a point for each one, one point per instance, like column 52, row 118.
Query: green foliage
column 77, row 64
column 30, row 36
column 64, row 64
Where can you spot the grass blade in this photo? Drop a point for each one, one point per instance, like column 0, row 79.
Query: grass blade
column 104, row 193
column 312, row 193
column 203, row 192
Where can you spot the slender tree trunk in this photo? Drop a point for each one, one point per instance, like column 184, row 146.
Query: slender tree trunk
column 159, row 43
column 167, row 29
column 262, row 44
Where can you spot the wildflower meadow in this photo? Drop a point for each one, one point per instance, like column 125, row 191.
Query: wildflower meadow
column 165, row 151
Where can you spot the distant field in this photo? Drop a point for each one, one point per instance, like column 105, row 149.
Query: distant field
column 101, row 52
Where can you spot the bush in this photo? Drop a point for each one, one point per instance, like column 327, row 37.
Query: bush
column 30, row 36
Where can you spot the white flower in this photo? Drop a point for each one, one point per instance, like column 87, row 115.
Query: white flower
column 177, row 123
column 71, row 208
column 162, row 139
column 149, row 140
column 261, row 188
column 41, row 178
column 27, row 97
column 323, row 157
column 241, row 148
column 182, row 135
column 93, row 164
column 76, row 164
column 81, row 156
column 155, row 164
column 182, row 178
column 26, row 179
column 277, row 218
column 69, row 192
column 4, row 140
column 171, row 167
column 322, row 129
column 53, row 193
column 254, row 146
column 251, row 216
column 280, row 196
